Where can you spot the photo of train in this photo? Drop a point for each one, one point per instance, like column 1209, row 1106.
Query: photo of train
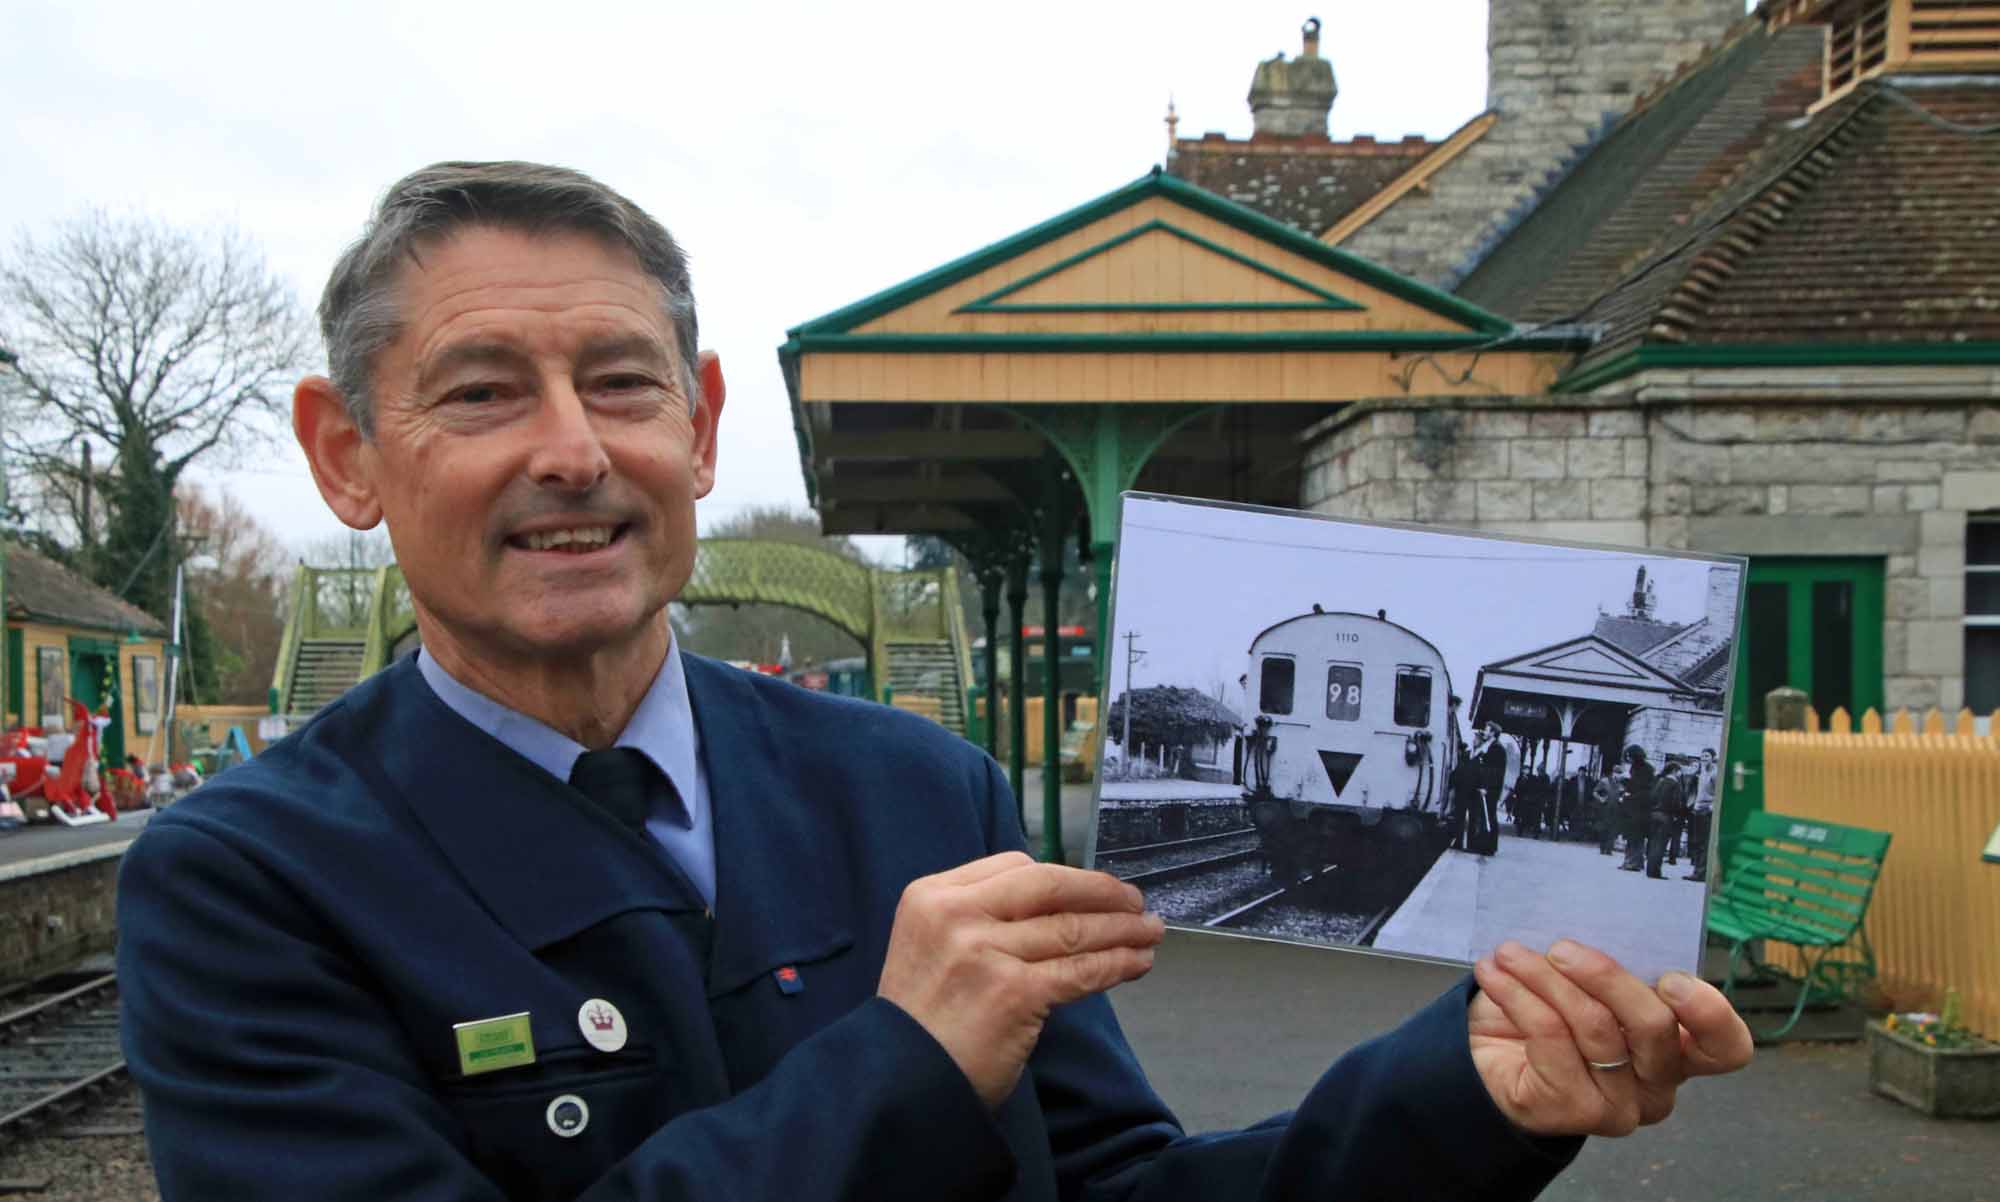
column 1412, row 740
column 1353, row 736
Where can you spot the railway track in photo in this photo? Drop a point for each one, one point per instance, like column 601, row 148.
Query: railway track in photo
column 1235, row 892
column 59, row 1055
column 1153, row 863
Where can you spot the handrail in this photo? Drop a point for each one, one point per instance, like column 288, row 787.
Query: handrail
column 288, row 643
column 374, row 648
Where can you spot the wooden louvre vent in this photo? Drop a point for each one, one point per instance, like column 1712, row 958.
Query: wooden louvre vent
column 1865, row 38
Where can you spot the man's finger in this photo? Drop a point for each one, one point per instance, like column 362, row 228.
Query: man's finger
column 1547, row 1043
column 1599, row 1037
column 1073, row 978
column 1050, row 936
column 1713, row 1036
column 1652, row 1031
column 983, row 869
column 1036, row 889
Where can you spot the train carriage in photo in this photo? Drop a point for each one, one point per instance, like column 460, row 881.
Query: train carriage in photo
column 1353, row 738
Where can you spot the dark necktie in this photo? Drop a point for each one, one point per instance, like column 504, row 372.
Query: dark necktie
column 622, row 782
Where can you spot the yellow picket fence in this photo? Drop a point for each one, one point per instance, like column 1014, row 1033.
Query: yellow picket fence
column 1934, row 785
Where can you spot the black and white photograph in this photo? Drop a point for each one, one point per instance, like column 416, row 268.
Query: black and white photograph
column 1417, row 741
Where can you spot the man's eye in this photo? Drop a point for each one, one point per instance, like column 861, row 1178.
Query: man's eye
column 624, row 383
column 476, row 394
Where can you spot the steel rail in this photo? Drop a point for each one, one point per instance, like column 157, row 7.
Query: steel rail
column 18, row 1030
column 1172, row 872
column 1169, row 845
column 1232, row 917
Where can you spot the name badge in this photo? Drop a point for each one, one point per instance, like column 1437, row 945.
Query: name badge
column 489, row 1044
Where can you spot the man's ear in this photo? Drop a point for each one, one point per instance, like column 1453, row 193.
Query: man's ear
column 707, row 416
column 337, row 452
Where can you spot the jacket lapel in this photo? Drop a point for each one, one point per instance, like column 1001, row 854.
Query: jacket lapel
column 780, row 886
column 542, row 861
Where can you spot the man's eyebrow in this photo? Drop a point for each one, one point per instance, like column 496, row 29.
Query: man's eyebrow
column 642, row 347
column 467, row 354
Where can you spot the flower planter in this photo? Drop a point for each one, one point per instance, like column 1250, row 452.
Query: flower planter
column 1941, row 1082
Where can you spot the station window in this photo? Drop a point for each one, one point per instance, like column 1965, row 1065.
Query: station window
column 1982, row 613
column 1343, row 692
column 50, row 687
column 1274, row 686
column 1413, row 696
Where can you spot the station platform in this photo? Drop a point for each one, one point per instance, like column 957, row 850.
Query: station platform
column 22, row 847
column 1539, row 891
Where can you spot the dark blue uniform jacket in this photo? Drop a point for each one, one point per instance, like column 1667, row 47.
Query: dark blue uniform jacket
column 298, row 938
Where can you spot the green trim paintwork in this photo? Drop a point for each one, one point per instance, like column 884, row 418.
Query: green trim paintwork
column 1797, row 575
column 1158, row 184
column 1190, row 342
column 1327, row 301
column 17, row 695
column 1786, row 354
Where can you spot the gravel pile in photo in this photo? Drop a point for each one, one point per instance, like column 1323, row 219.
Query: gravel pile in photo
column 1126, row 866
column 1303, row 922
column 1192, row 900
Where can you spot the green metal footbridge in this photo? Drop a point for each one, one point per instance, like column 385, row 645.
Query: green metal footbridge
column 347, row 623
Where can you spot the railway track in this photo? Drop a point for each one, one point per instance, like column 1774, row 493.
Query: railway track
column 1343, row 904
column 1143, row 850
column 59, row 1051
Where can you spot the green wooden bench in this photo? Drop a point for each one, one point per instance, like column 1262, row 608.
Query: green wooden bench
column 1807, row 883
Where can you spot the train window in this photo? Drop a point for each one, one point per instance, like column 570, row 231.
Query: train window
column 1343, row 692
column 1413, row 697
column 1274, row 689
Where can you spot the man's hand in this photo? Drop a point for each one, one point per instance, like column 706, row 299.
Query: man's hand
column 1539, row 1022
column 981, row 954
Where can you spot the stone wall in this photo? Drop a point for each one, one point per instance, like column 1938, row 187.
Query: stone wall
column 1559, row 73
column 1767, row 479
column 56, row 910
column 1664, row 732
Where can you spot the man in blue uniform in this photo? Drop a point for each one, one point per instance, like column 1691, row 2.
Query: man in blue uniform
column 553, row 910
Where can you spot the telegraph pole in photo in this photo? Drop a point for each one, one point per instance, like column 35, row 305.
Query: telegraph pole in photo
column 1132, row 656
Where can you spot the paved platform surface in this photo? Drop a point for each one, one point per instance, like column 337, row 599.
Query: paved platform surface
column 1799, row 1123
column 49, row 839
column 1538, row 891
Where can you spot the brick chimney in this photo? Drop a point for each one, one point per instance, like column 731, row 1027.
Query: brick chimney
column 1722, row 589
column 1293, row 99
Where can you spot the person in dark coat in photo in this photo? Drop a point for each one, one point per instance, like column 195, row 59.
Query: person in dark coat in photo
column 1468, row 805
column 1665, row 812
column 1638, row 808
column 554, row 909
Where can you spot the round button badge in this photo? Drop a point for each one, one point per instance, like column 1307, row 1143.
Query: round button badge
column 568, row 1115
column 602, row 1026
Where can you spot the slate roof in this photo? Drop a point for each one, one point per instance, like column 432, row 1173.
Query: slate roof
column 1721, row 214
column 1634, row 635
column 39, row 588
column 1638, row 188
column 1307, row 183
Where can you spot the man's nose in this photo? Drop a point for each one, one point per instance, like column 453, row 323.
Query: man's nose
column 569, row 452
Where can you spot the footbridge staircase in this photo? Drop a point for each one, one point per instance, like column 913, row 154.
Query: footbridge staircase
column 346, row 624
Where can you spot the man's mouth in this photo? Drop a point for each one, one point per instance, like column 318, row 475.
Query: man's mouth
column 571, row 540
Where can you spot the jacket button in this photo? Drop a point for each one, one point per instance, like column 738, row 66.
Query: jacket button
column 568, row 1115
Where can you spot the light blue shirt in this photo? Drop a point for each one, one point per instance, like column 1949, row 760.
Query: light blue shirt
column 662, row 727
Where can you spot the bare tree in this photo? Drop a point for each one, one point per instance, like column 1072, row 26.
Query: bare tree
column 156, row 347
column 238, row 576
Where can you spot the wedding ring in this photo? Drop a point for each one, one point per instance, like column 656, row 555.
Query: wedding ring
column 1606, row 1066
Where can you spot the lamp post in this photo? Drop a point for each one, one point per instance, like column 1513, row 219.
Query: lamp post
column 8, row 360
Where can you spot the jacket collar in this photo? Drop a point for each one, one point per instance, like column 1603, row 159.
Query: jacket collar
column 548, row 866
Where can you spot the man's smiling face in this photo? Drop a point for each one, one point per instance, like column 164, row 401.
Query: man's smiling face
column 534, row 452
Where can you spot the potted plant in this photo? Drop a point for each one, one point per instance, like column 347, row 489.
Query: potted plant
column 1932, row 1062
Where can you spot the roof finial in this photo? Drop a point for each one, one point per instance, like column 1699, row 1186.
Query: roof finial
column 1173, row 124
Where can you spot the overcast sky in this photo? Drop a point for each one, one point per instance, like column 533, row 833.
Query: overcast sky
column 1198, row 583
column 808, row 155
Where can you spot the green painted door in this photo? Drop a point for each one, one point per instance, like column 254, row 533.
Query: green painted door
column 1810, row 623
column 93, row 680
